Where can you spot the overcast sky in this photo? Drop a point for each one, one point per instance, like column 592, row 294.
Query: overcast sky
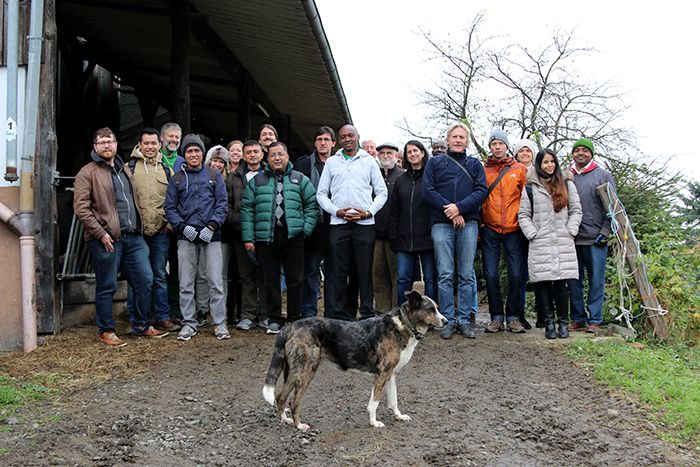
column 648, row 49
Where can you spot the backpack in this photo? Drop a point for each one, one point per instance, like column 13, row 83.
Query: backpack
column 166, row 168
column 528, row 190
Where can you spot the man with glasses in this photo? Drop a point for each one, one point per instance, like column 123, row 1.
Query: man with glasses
column 107, row 206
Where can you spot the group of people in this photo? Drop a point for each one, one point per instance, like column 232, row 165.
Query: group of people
column 367, row 221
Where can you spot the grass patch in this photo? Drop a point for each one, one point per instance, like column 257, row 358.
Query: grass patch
column 665, row 379
column 14, row 392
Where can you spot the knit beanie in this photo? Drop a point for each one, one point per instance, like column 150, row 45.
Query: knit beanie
column 499, row 135
column 217, row 152
column 192, row 140
column 525, row 143
column 586, row 143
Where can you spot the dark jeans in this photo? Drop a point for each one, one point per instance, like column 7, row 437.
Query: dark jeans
column 553, row 293
column 514, row 246
column 312, row 281
column 406, row 261
column 352, row 244
column 591, row 262
column 289, row 254
column 252, row 288
column 158, row 247
column 131, row 257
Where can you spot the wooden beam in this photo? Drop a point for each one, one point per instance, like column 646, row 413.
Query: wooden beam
column 134, row 8
column 627, row 240
column 180, row 60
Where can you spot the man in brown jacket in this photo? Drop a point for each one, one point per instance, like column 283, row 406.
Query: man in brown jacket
column 105, row 203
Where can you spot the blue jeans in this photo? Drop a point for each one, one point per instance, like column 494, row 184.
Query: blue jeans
column 451, row 244
column 131, row 256
column 158, row 246
column 514, row 245
column 404, row 282
column 312, row 282
column 475, row 295
column 591, row 261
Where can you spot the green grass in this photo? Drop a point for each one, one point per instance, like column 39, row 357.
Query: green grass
column 665, row 379
column 15, row 393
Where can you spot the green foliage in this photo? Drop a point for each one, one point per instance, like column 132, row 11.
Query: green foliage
column 14, row 393
column 690, row 211
column 665, row 378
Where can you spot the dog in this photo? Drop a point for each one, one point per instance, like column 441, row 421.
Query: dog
column 380, row 346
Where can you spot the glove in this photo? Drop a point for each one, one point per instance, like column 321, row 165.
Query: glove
column 206, row 234
column 190, row 233
column 600, row 240
column 251, row 257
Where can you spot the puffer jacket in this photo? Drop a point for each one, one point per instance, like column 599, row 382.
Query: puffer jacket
column 409, row 217
column 500, row 210
column 151, row 183
column 94, row 201
column 551, row 253
column 258, row 206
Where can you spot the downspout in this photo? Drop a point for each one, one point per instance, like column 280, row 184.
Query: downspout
column 320, row 34
column 12, row 71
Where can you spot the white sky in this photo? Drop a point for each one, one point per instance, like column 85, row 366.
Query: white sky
column 649, row 49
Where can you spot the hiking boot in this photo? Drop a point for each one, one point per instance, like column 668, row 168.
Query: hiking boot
column 539, row 324
column 593, row 328
column 563, row 331
column 549, row 330
column 152, row 332
column 168, row 325
column 494, row 326
column 516, row 327
column 264, row 323
column 245, row 324
column 577, row 326
column 467, row 331
column 111, row 339
column 221, row 332
column 448, row 331
column 186, row 333
column 526, row 324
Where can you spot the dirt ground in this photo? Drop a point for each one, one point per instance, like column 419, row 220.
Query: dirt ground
column 497, row 400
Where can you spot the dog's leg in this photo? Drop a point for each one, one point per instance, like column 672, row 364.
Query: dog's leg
column 393, row 400
column 282, row 401
column 379, row 383
column 306, row 374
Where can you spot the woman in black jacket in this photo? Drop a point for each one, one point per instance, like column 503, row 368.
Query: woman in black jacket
column 409, row 223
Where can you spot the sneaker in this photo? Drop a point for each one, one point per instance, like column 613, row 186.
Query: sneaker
column 467, row 331
column 152, row 332
column 168, row 325
column 221, row 332
column 264, row 323
column 186, row 333
column 494, row 326
column 574, row 326
column 516, row 327
column 111, row 339
column 592, row 328
column 448, row 331
column 274, row 328
column 245, row 324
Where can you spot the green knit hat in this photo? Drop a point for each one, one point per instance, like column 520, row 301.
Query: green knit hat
column 586, row 143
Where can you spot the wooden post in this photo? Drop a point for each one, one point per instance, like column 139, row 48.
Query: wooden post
column 180, row 61
column 626, row 238
column 45, row 210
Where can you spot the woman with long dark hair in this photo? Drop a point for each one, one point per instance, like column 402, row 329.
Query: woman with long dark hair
column 549, row 216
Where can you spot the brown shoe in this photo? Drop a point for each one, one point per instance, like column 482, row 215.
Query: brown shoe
column 516, row 327
column 111, row 339
column 152, row 332
column 574, row 326
column 494, row 326
column 167, row 325
column 592, row 328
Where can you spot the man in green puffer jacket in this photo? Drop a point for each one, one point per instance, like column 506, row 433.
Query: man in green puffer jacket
column 277, row 211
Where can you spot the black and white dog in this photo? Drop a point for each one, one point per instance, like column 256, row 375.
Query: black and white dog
column 380, row 346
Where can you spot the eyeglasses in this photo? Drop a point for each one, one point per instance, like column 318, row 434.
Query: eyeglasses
column 105, row 143
column 276, row 155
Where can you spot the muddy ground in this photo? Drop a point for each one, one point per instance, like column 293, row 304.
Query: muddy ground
column 497, row 400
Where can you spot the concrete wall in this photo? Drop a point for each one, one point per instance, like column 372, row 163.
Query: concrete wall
column 10, row 281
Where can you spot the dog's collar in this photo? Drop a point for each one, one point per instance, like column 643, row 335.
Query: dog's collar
column 409, row 324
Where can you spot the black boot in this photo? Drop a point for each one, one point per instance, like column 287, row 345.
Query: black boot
column 563, row 329
column 549, row 331
column 524, row 322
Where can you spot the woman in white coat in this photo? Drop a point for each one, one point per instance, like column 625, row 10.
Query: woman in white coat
column 549, row 216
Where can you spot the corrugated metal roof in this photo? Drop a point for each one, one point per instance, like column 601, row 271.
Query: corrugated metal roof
column 280, row 43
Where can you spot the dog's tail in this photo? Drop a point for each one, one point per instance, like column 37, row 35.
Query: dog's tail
column 277, row 364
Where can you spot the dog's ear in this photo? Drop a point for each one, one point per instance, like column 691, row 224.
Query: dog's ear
column 414, row 299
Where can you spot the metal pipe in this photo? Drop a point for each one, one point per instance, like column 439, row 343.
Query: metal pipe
column 12, row 72
column 9, row 217
column 28, row 318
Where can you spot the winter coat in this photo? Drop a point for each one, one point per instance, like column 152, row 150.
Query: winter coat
column 409, row 217
column 151, row 183
column 258, row 206
column 94, row 198
column 595, row 220
column 196, row 197
column 500, row 210
column 551, row 253
column 381, row 221
column 445, row 183
column 312, row 167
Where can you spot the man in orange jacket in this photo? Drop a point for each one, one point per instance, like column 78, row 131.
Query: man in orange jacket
column 506, row 180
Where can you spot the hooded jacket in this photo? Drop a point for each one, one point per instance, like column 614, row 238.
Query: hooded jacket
column 595, row 220
column 409, row 217
column 551, row 252
column 95, row 199
column 500, row 210
column 151, row 183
